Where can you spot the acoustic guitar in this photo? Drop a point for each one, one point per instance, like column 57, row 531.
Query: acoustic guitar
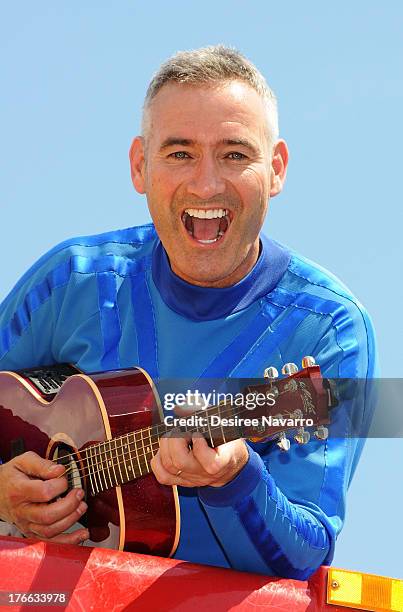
column 105, row 428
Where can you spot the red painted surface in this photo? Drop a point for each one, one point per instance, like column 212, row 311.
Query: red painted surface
column 99, row 579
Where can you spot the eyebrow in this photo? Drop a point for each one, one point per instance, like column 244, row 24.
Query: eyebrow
column 173, row 141
column 238, row 142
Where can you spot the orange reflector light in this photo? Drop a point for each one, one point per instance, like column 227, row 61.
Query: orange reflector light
column 364, row 591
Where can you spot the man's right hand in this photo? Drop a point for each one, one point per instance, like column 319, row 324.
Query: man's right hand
column 28, row 484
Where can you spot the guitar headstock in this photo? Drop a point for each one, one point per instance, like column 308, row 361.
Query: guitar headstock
column 301, row 399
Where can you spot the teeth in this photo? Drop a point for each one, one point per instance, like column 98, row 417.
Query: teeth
column 202, row 213
column 211, row 213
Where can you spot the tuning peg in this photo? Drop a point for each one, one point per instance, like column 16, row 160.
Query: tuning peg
column 271, row 373
column 308, row 361
column 321, row 433
column 289, row 368
column 302, row 436
column 283, row 442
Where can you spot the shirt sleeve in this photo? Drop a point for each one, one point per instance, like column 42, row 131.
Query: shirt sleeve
column 27, row 319
column 282, row 513
column 41, row 320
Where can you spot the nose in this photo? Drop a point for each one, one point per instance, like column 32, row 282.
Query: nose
column 206, row 181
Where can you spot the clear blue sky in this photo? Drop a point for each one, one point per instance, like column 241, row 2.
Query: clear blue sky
column 73, row 79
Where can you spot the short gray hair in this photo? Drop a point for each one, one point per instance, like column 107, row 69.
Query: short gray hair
column 209, row 66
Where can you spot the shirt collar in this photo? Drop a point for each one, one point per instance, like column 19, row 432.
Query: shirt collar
column 208, row 303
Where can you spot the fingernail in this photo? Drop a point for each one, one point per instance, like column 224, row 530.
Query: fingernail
column 80, row 494
column 82, row 508
column 53, row 467
column 84, row 536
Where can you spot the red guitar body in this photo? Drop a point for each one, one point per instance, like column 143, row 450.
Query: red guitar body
column 139, row 516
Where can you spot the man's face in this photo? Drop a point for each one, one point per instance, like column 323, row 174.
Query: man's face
column 208, row 174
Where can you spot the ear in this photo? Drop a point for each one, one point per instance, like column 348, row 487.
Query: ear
column 278, row 170
column 137, row 164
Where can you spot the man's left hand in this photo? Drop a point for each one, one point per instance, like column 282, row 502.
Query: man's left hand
column 199, row 465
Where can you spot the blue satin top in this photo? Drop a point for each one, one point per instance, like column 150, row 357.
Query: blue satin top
column 111, row 301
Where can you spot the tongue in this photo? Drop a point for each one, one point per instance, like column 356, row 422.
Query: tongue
column 205, row 229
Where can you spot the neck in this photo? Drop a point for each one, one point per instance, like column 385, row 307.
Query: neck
column 200, row 303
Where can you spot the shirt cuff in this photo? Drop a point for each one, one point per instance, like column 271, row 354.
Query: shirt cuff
column 237, row 489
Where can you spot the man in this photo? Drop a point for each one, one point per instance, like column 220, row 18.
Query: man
column 200, row 293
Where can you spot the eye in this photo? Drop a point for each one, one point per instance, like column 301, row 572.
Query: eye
column 179, row 155
column 237, row 156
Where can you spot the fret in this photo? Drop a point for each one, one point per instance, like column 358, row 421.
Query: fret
column 118, row 463
column 97, row 471
column 157, row 442
column 144, row 451
column 93, row 481
column 102, row 464
column 150, row 450
column 203, row 429
column 198, row 428
column 86, row 467
column 109, row 463
column 221, row 427
column 137, row 454
column 113, row 463
column 124, row 449
column 131, row 466
column 209, row 431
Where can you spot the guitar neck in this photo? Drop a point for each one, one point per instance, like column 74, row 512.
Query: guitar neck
column 291, row 402
column 123, row 459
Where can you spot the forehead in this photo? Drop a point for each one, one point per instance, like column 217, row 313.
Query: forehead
column 207, row 113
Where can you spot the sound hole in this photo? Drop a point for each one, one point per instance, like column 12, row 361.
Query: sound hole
column 67, row 456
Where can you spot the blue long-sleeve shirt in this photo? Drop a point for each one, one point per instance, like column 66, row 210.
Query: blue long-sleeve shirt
column 111, row 301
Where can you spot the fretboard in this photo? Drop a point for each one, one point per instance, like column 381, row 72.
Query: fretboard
column 123, row 459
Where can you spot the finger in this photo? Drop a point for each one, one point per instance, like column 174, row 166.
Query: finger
column 33, row 465
column 77, row 537
column 161, row 474
column 208, row 458
column 31, row 490
column 235, row 454
column 175, row 454
column 231, row 458
column 57, row 528
column 184, row 479
column 47, row 514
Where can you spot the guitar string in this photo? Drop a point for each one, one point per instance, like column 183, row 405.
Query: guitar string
column 143, row 439
column 105, row 470
column 128, row 444
column 125, row 456
column 127, row 448
column 154, row 428
column 237, row 411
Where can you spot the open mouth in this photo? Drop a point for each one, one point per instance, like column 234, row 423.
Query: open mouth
column 206, row 225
